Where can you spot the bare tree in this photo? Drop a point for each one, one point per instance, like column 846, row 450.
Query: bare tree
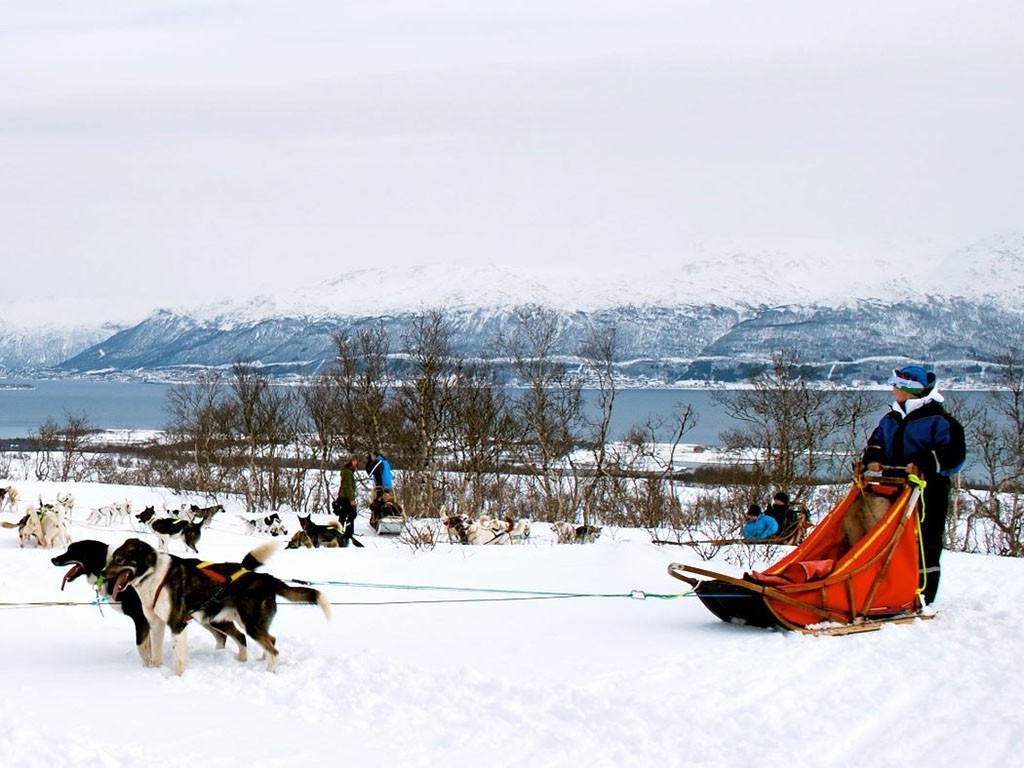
column 995, row 520
column 479, row 432
column 265, row 424
column 201, row 415
column 425, row 402
column 324, row 405
column 47, row 440
column 61, row 454
column 363, row 382
column 786, row 423
column 549, row 408
column 602, row 488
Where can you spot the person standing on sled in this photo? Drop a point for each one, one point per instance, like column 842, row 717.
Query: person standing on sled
column 758, row 525
column 344, row 506
column 379, row 469
column 919, row 435
column 383, row 503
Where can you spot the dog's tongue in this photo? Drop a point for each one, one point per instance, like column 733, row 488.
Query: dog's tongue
column 119, row 582
column 73, row 573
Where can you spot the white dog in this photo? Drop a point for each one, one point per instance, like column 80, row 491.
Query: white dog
column 8, row 499
column 118, row 512
column 567, row 533
column 46, row 524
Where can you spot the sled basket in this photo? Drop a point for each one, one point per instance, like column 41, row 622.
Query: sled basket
column 824, row 580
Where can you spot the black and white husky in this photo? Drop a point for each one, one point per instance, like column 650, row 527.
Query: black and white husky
column 89, row 558
column 167, row 528
column 174, row 590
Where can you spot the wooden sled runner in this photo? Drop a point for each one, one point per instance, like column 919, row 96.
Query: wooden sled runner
column 825, row 586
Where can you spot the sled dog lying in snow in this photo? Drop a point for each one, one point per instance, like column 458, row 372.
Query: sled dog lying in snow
column 568, row 533
column 330, row 535
column 174, row 590
column 486, row 530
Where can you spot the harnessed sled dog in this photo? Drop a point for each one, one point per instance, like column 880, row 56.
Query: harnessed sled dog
column 316, row 535
column 115, row 513
column 8, row 499
column 271, row 525
column 486, row 530
column 203, row 515
column 174, row 590
column 167, row 528
column 89, row 558
column 567, row 533
column 45, row 524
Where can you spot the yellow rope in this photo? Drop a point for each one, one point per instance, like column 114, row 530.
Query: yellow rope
column 920, row 483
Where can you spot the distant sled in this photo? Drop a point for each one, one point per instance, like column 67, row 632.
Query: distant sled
column 386, row 516
column 823, row 586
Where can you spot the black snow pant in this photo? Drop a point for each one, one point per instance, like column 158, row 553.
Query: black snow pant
column 346, row 512
column 933, row 533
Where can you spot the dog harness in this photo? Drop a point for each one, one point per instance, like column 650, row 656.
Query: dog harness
column 224, row 581
column 218, row 577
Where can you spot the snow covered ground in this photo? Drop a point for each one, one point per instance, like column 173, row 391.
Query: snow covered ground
column 408, row 676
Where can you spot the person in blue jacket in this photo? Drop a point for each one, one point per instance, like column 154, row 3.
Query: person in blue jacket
column 758, row 525
column 383, row 502
column 918, row 435
column 379, row 468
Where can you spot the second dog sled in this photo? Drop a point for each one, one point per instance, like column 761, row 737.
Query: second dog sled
column 825, row 585
column 386, row 516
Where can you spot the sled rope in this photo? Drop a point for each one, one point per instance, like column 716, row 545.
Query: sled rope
column 47, row 604
column 920, row 483
column 508, row 594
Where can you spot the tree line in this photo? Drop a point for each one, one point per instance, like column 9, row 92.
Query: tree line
column 464, row 441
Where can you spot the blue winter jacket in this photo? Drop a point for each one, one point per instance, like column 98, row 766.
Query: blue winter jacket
column 763, row 528
column 382, row 472
column 926, row 436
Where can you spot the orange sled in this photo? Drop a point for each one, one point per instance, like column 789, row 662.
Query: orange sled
column 824, row 585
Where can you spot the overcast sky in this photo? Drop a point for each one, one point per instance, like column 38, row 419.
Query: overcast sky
column 174, row 153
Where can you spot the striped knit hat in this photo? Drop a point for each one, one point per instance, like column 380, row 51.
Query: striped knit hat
column 913, row 379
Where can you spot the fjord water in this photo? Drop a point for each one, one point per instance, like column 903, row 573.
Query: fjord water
column 26, row 404
column 140, row 406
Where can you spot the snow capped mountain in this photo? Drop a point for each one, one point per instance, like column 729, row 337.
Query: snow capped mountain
column 723, row 308
column 732, row 274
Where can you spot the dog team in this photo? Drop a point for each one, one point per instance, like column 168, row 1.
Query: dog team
column 161, row 591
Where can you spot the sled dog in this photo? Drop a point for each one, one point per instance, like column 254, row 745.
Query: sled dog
column 567, row 533
column 89, row 558
column 167, row 528
column 173, row 590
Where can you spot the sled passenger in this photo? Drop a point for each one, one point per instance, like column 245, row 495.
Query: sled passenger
column 918, row 434
column 779, row 510
column 758, row 525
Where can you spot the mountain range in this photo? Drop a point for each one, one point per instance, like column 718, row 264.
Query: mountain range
column 850, row 314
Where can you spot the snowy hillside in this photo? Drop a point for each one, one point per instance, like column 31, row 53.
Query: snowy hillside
column 463, row 656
